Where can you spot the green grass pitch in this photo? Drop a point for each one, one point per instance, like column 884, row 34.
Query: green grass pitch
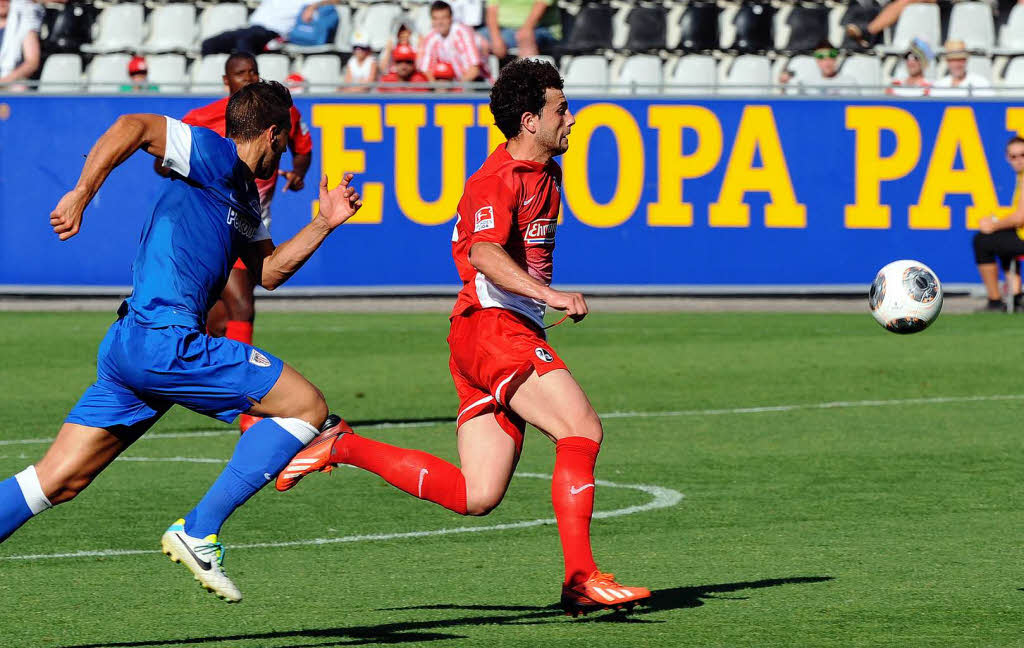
column 860, row 523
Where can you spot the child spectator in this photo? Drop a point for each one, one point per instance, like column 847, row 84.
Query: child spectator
column 138, row 72
column 361, row 66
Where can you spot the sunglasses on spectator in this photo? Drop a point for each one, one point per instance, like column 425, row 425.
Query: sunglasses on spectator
column 829, row 53
column 1014, row 157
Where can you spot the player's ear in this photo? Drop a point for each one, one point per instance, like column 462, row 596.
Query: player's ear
column 529, row 122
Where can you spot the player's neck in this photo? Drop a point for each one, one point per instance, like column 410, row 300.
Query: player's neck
column 523, row 149
column 249, row 153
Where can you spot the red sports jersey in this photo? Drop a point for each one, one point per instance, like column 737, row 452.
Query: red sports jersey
column 515, row 204
column 212, row 116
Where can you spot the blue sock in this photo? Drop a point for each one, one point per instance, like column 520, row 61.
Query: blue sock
column 21, row 497
column 261, row 453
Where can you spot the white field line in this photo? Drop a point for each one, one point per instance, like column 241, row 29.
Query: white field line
column 231, row 431
column 661, row 498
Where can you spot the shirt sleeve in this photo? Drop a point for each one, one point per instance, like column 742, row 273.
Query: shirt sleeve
column 299, row 138
column 488, row 211
column 197, row 153
column 467, row 47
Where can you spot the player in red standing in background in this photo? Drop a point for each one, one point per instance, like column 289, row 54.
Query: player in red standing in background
column 234, row 314
column 505, row 373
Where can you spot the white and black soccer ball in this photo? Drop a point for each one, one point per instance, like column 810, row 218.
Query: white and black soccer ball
column 905, row 297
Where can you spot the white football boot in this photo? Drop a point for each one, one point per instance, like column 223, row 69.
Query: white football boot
column 204, row 556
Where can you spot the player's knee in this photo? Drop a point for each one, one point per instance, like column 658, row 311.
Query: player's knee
column 482, row 504
column 588, row 426
column 316, row 410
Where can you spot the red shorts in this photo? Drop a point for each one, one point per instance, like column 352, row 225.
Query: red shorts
column 490, row 349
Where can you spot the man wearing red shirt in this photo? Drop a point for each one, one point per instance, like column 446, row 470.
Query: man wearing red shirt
column 234, row 314
column 451, row 43
column 505, row 372
column 404, row 58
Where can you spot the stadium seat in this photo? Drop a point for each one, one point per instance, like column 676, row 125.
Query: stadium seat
column 639, row 69
column 586, row 72
column 273, row 67
column 119, row 28
column 322, row 72
column 918, row 20
column 699, row 27
column 972, row 22
column 1011, row 35
column 591, row 30
column 647, row 29
column 726, row 27
column 807, row 26
column 107, row 73
column 208, row 74
column 692, row 74
column 980, row 65
column 1013, row 77
column 342, row 37
column 171, row 29
column 746, row 71
column 866, row 69
column 753, row 24
column 61, row 73
column 219, row 18
column 379, row 22
column 167, row 71
column 805, row 70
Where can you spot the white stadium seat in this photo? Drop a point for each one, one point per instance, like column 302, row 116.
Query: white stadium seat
column 208, row 74
column 980, row 65
column 866, row 69
column 378, row 22
column 1011, row 35
column 221, row 18
column 918, row 20
column 972, row 23
column 586, row 72
column 167, row 71
column 119, row 28
column 107, row 73
column 171, row 29
column 1014, row 75
column 644, row 70
column 322, row 72
column 692, row 74
column 746, row 71
column 273, row 67
column 61, row 73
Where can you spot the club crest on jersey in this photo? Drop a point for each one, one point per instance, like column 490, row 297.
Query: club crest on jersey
column 484, row 219
column 543, row 354
column 258, row 359
column 541, row 232
column 244, row 227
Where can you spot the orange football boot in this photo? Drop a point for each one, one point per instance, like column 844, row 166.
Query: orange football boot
column 246, row 421
column 316, row 456
column 601, row 592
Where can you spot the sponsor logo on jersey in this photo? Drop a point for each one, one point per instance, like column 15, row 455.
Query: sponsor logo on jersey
column 543, row 354
column 484, row 219
column 258, row 359
column 244, row 226
column 541, row 231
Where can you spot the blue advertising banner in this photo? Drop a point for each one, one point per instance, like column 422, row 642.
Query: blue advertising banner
column 657, row 193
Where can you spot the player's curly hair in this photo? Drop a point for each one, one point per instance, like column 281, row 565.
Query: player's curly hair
column 257, row 107
column 520, row 89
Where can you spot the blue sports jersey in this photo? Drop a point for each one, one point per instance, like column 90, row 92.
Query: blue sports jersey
column 200, row 224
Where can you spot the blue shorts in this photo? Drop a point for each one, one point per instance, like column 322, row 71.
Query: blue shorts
column 142, row 371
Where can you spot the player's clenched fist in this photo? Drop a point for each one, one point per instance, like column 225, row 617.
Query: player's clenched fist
column 66, row 217
column 572, row 303
column 339, row 204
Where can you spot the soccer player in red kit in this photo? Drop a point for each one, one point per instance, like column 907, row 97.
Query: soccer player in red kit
column 234, row 314
column 505, row 372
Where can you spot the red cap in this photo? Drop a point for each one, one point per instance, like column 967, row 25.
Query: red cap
column 137, row 65
column 403, row 53
column 443, row 71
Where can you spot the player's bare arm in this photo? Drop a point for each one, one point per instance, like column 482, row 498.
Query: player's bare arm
column 295, row 180
column 128, row 134
column 272, row 266
column 495, row 264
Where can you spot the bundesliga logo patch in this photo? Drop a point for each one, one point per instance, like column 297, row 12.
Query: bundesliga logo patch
column 484, row 219
column 543, row 354
column 259, row 359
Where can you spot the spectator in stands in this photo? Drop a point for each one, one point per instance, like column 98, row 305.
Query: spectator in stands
column 138, row 73
column 451, row 43
column 532, row 26
column 831, row 82
column 404, row 35
column 919, row 56
column 958, row 82
column 443, row 72
column 20, row 21
column 868, row 33
column 272, row 19
column 1002, row 239
column 405, row 71
column 361, row 66
column 296, row 83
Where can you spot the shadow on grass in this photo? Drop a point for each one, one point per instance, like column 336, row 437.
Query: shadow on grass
column 676, row 598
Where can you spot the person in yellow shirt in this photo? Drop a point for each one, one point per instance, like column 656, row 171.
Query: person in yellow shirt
column 1002, row 238
column 531, row 26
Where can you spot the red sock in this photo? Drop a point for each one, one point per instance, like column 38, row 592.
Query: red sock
column 572, row 494
column 420, row 474
column 238, row 330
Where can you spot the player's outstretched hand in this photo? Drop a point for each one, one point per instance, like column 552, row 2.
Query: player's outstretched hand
column 66, row 217
column 292, row 181
column 572, row 303
column 339, row 204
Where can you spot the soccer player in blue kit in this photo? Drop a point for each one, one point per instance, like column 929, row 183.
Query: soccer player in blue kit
column 157, row 353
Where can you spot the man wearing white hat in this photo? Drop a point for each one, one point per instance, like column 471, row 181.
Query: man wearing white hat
column 959, row 82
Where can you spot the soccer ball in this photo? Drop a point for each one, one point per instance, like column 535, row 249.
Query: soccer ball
column 905, row 297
